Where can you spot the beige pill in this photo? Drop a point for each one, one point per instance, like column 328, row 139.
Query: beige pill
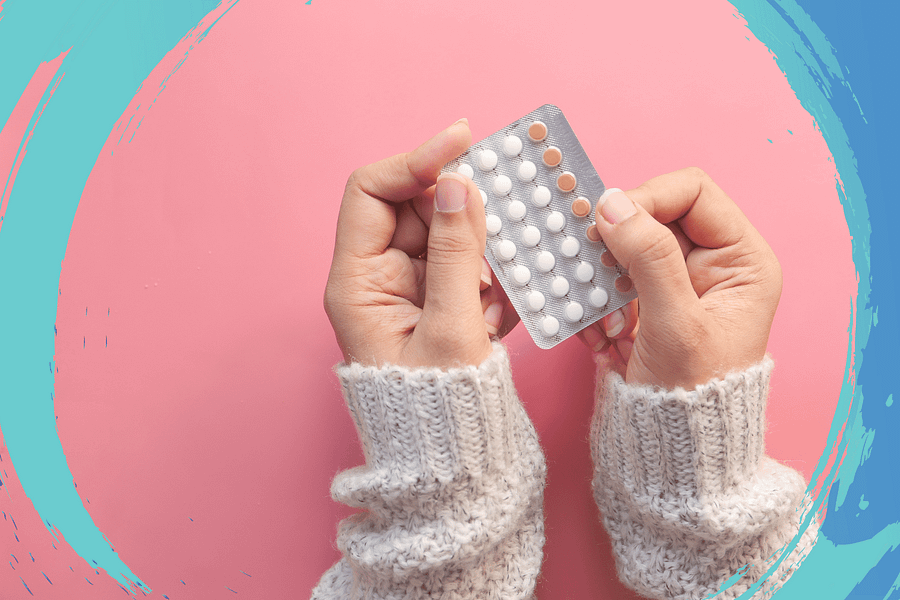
column 537, row 131
column 552, row 156
column 581, row 207
column 593, row 234
column 566, row 182
column 608, row 259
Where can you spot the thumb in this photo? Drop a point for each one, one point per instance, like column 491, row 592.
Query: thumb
column 456, row 241
column 652, row 256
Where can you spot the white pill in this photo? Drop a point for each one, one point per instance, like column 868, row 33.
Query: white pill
column 570, row 247
column 573, row 312
column 556, row 221
column 584, row 272
column 466, row 170
column 505, row 250
column 559, row 287
column 534, row 301
column 526, row 171
column 516, row 210
column 541, row 196
column 549, row 326
column 531, row 235
column 521, row 275
column 494, row 224
column 512, row 145
column 483, row 196
column 487, row 160
column 545, row 262
column 598, row 297
column 502, row 185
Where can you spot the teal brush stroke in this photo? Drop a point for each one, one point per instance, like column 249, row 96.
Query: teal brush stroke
column 109, row 59
column 810, row 67
column 113, row 46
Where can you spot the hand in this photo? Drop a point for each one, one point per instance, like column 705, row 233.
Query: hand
column 708, row 284
column 408, row 283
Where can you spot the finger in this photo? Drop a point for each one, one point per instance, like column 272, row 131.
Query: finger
column 650, row 253
column 620, row 322
column 624, row 347
column 593, row 337
column 455, row 253
column 504, row 322
column 708, row 217
column 367, row 219
column 487, row 276
column 684, row 242
column 410, row 233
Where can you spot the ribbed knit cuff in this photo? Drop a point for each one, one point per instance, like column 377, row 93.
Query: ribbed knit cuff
column 663, row 444
column 432, row 423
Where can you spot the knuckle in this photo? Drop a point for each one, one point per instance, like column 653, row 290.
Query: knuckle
column 448, row 249
column 659, row 245
column 697, row 174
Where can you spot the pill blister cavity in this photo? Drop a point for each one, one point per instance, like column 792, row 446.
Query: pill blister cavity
column 598, row 297
column 483, row 196
column 494, row 224
column 531, row 236
column 559, row 287
column 487, row 160
column 584, row 272
column 566, row 182
column 502, row 185
column 552, row 157
column 505, row 250
column 535, row 301
column 556, row 221
column 521, row 275
column 608, row 259
column 545, row 261
column 541, row 196
column 537, row 131
column 624, row 284
column 570, row 247
column 526, row 171
column 573, row 312
column 512, row 145
column 466, row 170
column 549, row 326
column 516, row 210
column 593, row 233
column 581, row 207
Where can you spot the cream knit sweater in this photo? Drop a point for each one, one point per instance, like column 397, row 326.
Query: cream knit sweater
column 454, row 477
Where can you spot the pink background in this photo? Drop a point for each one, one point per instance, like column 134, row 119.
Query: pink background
column 196, row 403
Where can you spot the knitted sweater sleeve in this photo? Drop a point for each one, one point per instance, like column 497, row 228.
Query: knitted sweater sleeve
column 686, row 493
column 452, row 488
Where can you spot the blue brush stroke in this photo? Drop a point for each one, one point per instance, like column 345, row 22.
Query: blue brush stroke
column 114, row 45
column 856, row 556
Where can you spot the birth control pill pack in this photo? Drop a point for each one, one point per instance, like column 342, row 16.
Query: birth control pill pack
column 540, row 192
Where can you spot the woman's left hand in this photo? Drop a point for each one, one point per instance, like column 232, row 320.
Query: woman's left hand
column 408, row 283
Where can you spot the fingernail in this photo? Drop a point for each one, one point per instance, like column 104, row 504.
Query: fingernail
column 492, row 317
column 485, row 273
column 594, row 339
column 615, row 323
column 615, row 206
column 450, row 193
column 463, row 120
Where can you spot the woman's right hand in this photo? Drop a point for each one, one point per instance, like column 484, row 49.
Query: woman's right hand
column 708, row 284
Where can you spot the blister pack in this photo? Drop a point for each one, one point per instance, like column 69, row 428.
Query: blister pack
column 540, row 190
